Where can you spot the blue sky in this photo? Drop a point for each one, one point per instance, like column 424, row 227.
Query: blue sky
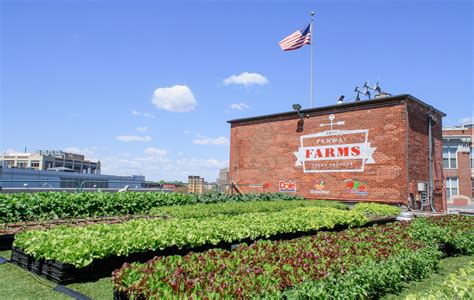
column 147, row 86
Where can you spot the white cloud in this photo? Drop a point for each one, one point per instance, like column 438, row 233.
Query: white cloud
column 187, row 131
column 210, row 163
column 142, row 129
column 155, row 151
column 133, row 138
column 143, row 114
column 8, row 151
column 220, row 141
column 91, row 153
column 466, row 120
column 246, row 79
column 155, row 167
column 239, row 106
column 178, row 98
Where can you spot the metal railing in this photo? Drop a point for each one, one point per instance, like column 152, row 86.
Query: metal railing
column 35, row 185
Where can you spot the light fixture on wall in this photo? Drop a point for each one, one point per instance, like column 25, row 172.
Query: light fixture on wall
column 297, row 108
column 300, row 124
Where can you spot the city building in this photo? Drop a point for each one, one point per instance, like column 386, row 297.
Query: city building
column 223, row 179
column 377, row 150
column 458, row 164
column 195, row 185
column 50, row 160
column 58, row 169
column 50, row 179
column 169, row 186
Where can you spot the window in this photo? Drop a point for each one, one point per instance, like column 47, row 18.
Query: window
column 450, row 157
column 35, row 164
column 22, row 164
column 451, row 186
column 9, row 163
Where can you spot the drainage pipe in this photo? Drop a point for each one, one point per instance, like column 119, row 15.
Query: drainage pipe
column 431, row 122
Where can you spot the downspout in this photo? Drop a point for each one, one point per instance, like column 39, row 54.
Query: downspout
column 407, row 165
column 431, row 121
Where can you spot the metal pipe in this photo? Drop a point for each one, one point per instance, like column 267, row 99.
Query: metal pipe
column 431, row 121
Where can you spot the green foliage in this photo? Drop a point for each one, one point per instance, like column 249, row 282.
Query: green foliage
column 267, row 268
column 459, row 285
column 375, row 209
column 371, row 279
column 222, row 197
column 454, row 231
column 55, row 205
column 79, row 246
column 354, row 264
column 237, row 208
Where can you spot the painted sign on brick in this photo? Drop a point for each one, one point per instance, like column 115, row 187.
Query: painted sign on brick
column 335, row 150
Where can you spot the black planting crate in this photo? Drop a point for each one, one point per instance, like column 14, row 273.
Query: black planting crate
column 63, row 274
column 26, row 261
column 121, row 295
column 6, row 241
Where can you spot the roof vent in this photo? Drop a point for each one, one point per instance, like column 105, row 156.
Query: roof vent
column 382, row 95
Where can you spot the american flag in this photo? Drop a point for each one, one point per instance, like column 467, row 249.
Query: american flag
column 296, row 40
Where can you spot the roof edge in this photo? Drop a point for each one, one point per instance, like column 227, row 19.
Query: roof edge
column 344, row 105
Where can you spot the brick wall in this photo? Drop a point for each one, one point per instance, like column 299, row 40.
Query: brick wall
column 418, row 152
column 463, row 171
column 263, row 152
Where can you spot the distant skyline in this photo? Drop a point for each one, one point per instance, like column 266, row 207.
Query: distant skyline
column 147, row 87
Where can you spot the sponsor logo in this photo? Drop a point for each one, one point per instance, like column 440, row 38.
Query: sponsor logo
column 319, row 186
column 289, row 186
column 357, row 187
column 335, row 150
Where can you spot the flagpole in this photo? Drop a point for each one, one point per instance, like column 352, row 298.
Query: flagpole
column 311, row 76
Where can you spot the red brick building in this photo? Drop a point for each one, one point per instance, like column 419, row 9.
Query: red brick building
column 458, row 164
column 375, row 150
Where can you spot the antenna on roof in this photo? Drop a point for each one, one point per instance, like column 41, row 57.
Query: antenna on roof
column 367, row 91
column 356, row 90
column 377, row 88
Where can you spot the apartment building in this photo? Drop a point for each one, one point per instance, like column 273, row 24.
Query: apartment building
column 195, row 185
column 458, row 164
column 52, row 160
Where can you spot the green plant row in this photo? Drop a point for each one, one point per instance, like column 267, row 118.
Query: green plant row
column 456, row 232
column 458, row 285
column 57, row 205
column 376, row 209
column 236, row 208
column 358, row 263
column 79, row 246
column 314, row 267
column 371, row 279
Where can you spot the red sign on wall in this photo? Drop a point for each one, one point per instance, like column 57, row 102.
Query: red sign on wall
column 287, row 186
